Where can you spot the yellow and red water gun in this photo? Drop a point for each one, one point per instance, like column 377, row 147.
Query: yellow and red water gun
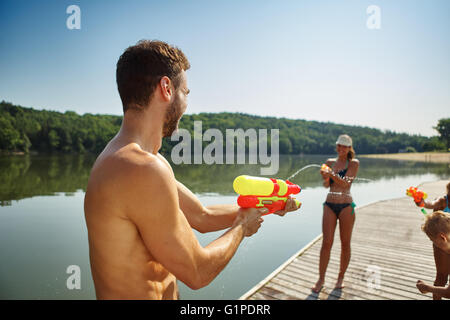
column 258, row 192
column 418, row 196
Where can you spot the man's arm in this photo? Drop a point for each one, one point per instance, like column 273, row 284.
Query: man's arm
column 201, row 218
column 167, row 234
column 205, row 219
column 439, row 291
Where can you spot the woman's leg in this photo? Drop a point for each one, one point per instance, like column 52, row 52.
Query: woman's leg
column 441, row 259
column 346, row 222
column 329, row 222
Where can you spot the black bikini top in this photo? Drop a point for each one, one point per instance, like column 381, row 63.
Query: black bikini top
column 341, row 173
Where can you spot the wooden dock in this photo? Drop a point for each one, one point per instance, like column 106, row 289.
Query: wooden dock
column 389, row 254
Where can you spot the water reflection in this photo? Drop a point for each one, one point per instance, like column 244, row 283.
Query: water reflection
column 27, row 176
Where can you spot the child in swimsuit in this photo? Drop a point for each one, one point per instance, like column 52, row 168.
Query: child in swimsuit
column 441, row 258
column 339, row 205
column 437, row 228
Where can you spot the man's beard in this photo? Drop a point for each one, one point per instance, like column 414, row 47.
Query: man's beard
column 173, row 115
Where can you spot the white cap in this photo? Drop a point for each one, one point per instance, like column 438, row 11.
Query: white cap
column 344, row 140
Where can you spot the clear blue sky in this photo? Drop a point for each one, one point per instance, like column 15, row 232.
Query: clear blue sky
column 313, row 60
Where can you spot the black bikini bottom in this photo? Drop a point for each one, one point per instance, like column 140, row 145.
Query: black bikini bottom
column 337, row 207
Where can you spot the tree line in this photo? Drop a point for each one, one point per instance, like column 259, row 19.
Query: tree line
column 25, row 129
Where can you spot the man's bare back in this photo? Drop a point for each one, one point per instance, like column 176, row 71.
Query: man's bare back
column 140, row 240
column 122, row 267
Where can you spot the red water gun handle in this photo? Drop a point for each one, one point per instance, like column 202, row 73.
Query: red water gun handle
column 253, row 201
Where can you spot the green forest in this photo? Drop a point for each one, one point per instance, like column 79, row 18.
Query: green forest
column 29, row 130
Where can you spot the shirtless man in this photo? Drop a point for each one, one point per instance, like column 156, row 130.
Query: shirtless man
column 139, row 217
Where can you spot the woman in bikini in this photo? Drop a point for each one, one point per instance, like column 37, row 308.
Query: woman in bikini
column 339, row 205
column 441, row 258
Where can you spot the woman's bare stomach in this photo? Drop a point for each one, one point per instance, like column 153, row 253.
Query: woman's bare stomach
column 336, row 195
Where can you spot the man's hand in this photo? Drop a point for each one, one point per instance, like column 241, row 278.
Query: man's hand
column 290, row 206
column 422, row 286
column 250, row 219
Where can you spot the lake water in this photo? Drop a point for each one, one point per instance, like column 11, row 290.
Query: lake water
column 43, row 232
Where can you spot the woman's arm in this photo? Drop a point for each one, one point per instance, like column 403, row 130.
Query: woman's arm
column 346, row 181
column 326, row 174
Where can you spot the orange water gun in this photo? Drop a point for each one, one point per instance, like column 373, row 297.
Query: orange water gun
column 324, row 167
column 418, row 196
column 258, row 192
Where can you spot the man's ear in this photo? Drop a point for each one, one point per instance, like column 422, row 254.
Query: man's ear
column 165, row 86
column 443, row 237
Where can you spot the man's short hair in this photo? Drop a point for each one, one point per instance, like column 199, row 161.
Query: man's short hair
column 436, row 223
column 141, row 67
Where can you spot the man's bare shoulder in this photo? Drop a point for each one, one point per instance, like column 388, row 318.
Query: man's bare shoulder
column 151, row 190
column 130, row 161
column 123, row 174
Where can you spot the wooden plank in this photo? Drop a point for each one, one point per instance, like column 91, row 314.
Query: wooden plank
column 406, row 289
column 307, row 283
column 373, row 258
column 359, row 270
column 352, row 291
column 276, row 294
column 423, row 271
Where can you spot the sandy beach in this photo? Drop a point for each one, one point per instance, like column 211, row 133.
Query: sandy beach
column 436, row 157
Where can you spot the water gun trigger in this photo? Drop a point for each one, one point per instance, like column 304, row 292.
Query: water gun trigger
column 274, row 208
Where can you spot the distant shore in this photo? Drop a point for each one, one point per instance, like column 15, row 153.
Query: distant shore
column 435, row 157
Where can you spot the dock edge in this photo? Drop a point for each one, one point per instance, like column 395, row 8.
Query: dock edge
column 253, row 290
